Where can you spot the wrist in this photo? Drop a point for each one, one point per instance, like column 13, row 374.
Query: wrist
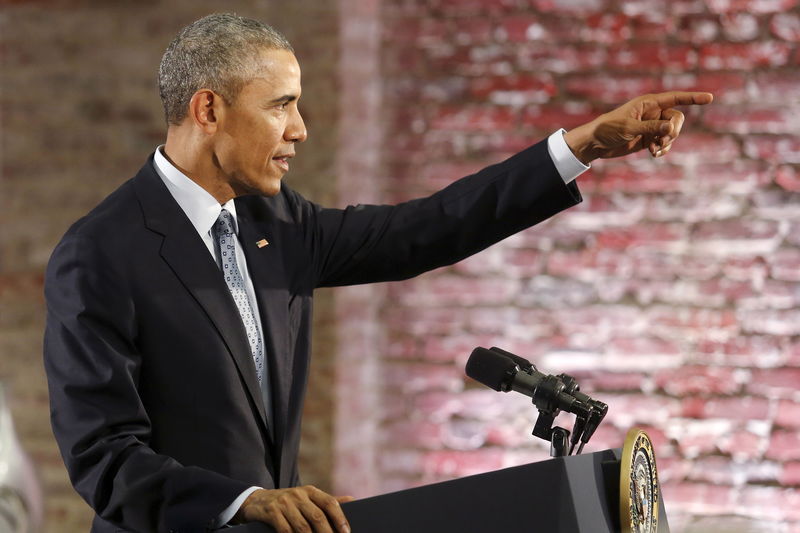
column 582, row 143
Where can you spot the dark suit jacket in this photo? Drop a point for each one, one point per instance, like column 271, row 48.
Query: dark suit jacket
column 154, row 398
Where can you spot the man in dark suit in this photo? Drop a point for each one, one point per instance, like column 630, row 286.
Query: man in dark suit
column 179, row 309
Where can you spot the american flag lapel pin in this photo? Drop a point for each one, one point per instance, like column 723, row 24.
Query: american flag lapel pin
column 262, row 243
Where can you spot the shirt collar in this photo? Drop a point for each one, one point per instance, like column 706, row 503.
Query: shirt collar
column 200, row 207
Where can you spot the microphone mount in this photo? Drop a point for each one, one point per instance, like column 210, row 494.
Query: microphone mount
column 550, row 394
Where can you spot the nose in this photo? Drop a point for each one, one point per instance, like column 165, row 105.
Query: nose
column 295, row 128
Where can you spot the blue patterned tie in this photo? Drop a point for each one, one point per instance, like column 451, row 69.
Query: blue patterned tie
column 225, row 241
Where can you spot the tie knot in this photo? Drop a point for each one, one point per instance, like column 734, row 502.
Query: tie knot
column 224, row 223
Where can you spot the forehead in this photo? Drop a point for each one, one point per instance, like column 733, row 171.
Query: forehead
column 278, row 71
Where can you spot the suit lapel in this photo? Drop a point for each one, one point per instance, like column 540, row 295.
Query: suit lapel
column 266, row 268
column 188, row 257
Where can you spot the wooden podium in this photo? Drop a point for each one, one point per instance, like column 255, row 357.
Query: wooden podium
column 575, row 494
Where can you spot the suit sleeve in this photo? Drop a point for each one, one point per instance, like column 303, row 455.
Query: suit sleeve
column 98, row 418
column 364, row 244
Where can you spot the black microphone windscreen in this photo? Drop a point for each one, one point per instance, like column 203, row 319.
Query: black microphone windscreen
column 523, row 363
column 490, row 368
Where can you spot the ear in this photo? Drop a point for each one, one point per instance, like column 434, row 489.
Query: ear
column 205, row 109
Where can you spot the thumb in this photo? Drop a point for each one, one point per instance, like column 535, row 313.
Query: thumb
column 651, row 127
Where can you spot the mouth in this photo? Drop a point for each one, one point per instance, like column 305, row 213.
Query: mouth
column 282, row 160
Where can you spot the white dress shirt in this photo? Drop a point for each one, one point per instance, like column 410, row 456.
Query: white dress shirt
column 202, row 209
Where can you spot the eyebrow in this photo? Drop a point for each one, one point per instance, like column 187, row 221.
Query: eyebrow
column 286, row 98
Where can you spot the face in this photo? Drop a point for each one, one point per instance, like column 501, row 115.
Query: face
column 256, row 133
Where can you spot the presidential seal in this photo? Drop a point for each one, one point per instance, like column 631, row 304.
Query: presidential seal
column 638, row 485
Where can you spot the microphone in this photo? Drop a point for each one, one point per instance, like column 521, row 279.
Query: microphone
column 503, row 371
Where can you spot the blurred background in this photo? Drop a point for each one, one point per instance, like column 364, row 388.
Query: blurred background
column 672, row 292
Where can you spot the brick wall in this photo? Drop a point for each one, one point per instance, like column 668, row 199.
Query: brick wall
column 80, row 114
column 671, row 293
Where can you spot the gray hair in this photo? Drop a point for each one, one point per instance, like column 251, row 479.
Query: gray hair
column 216, row 52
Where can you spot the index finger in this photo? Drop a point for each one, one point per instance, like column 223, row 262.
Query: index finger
column 674, row 98
column 330, row 505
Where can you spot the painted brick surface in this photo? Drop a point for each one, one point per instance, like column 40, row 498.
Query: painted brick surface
column 80, row 114
column 670, row 293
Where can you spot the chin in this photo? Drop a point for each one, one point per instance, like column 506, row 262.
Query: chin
column 270, row 189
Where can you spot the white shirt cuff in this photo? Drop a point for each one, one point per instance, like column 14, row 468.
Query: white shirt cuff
column 227, row 515
column 568, row 166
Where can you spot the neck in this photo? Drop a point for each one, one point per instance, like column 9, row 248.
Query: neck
column 195, row 159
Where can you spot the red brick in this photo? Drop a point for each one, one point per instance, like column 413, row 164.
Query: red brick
column 704, row 148
column 455, row 348
column 777, row 87
column 786, row 26
column 738, row 178
column 652, row 57
column 790, row 474
column 780, row 149
column 442, row 290
column 784, row 445
column 549, row 117
column 607, row 28
column 473, row 6
column 739, row 26
column 462, row 463
column 722, row 471
column 771, row 322
column 774, row 381
column 744, row 56
column 785, row 265
column 700, row 498
column 743, row 445
column 593, row 382
column 611, row 90
column 396, row 461
column 737, row 229
column 545, row 56
column 523, row 263
column 752, row 119
column 739, row 408
column 761, row 6
column 691, row 323
column 413, row 378
column 788, row 415
column 745, row 351
column 605, row 437
column 545, row 236
column 627, row 410
column 414, row 434
column 493, row 321
column 697, row 380
column 570, row 7
column 535, row 88
column 471, row 30
column 554, row 293
column 522, row 28
column 788, row 177
column 462, row 434
column 698, row 28
column 640, row 176
column 473, row 119
column 745, row 268
column 650, row 235
column 402, row 348
column 507, row 435
column 773, row 503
